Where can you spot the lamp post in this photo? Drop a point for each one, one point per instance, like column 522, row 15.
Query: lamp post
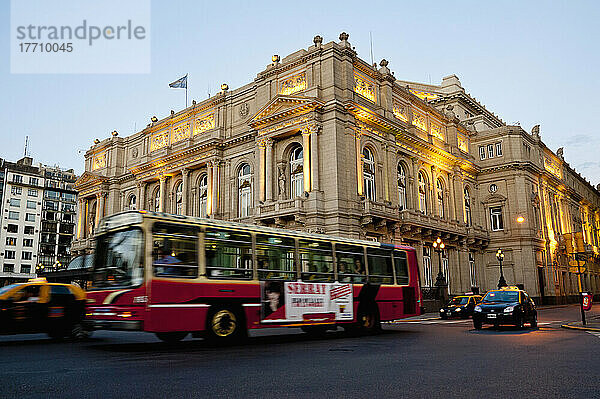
column 500, row 257
column 440, row 281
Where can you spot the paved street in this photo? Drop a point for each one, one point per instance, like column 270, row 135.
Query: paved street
column 417, row 358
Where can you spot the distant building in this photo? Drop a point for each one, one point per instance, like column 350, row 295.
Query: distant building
column 323, row 141
column 37, row 215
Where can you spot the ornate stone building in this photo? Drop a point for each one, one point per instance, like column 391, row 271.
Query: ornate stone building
column 324, row 142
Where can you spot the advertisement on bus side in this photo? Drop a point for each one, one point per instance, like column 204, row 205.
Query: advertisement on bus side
column 302, row 301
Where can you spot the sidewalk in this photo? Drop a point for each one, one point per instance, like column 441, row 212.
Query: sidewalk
column 592, row 324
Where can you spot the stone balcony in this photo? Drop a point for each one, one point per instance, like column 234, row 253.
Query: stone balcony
column 289, row 209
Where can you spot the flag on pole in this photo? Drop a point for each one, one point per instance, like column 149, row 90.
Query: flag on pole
column 180, row 83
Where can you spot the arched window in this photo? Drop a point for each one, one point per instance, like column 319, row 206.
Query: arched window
column 440, row 197
column 369, row 174
column 179, row 199
column 422, row 193
column 467, row 207
column 244, row 191
column 203, row 194
column 131, row 205
column 296, row 172
column 156, row 199
column 401, row 187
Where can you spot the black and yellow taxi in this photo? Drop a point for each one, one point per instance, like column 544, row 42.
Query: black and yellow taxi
column 41, row 307
column 460, row 306
column 508, row 305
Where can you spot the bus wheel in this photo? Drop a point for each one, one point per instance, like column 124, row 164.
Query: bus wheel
column 224, row 324
column 171, row 337
column 368, row 320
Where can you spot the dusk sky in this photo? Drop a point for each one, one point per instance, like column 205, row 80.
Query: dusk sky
column 528, row 62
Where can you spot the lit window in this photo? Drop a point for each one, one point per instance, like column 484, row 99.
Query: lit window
column 422, row 193
column 132, row 205
column 499, row 149
column 427, row 277
column 496, row 222
column 401, row 187
column 12, row 241
column 369, row 174
column 179, row 199
column 244, row 191
column 203, row 189
column 296, row 172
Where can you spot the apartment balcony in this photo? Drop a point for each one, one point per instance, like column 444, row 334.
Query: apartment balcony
column 289, row 209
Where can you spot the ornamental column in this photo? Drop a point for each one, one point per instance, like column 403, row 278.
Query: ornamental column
column 386, row 173
column 215, row 187
column 416, row 197
column 99, row 208
column 359, row 168
column 163, row 193
column 141, row 202
column 452, row 195
column 314, row 159
column 80, row 219
column 269, row 169
column 306, row 159
column 209, row 190
column 261, row 170
column 185, row 173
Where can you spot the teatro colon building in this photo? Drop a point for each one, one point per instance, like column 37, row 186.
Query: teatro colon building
column 324, row 142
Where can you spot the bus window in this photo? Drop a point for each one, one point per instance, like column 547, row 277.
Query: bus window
column 316, row 259
column 175, row 251
column 380, row 265
column 228, row 254
column 350, row 263
column 401, row 267
column 275, row 257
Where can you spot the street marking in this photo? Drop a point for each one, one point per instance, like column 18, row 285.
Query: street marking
column 597, row 334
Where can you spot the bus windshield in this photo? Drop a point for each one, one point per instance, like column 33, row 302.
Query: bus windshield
column 119, row 261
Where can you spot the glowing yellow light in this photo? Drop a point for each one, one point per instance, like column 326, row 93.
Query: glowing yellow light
column 364, row 87
column 423, row 95
column 99, row 161
column 204, row 123
column 293, row 84
column 400, row 112
column 520, row 219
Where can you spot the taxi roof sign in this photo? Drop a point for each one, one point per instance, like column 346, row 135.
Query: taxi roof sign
column 37, row 280
column 510, row 288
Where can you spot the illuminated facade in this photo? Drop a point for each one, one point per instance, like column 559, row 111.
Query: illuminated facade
column 323, row 142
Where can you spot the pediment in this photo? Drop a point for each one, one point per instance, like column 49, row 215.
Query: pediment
column 282, row 106
column 494, row 199
column 89, row 178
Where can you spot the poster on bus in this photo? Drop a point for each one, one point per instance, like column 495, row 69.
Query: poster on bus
column 308, row 302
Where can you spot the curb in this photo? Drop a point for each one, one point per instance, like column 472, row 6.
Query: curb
column 580, row 328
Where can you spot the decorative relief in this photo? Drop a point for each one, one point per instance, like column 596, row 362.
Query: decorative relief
column 552, row 167
column 135, row 152
column 364, row 87
column 99, row 161
column 436, row 131
column 180, row 132
column 400, row 112
column 284, row 125
column 244, row 110
column 419, row 121
column 293, row 84
column 204, row 123
column 159, row 140
column 462, row 143
column 423, row 95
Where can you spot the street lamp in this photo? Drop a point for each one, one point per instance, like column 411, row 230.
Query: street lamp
column 438, row 246
column 500, row 257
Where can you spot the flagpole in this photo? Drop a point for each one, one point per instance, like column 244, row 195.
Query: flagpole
column 186, row 87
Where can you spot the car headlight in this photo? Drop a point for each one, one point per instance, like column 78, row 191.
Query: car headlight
column 442, row 310
column 509, row 309
column 458, row 309
column 477, row 308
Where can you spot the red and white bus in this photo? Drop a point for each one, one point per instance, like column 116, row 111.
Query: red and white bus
column 175, row 275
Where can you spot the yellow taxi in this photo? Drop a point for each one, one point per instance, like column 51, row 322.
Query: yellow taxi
column 38, row 306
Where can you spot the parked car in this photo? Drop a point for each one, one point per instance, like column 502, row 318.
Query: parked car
column 41, row 307
column 460, row 306
column 508, row 305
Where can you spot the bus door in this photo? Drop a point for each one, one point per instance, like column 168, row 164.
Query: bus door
column 175, row 301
